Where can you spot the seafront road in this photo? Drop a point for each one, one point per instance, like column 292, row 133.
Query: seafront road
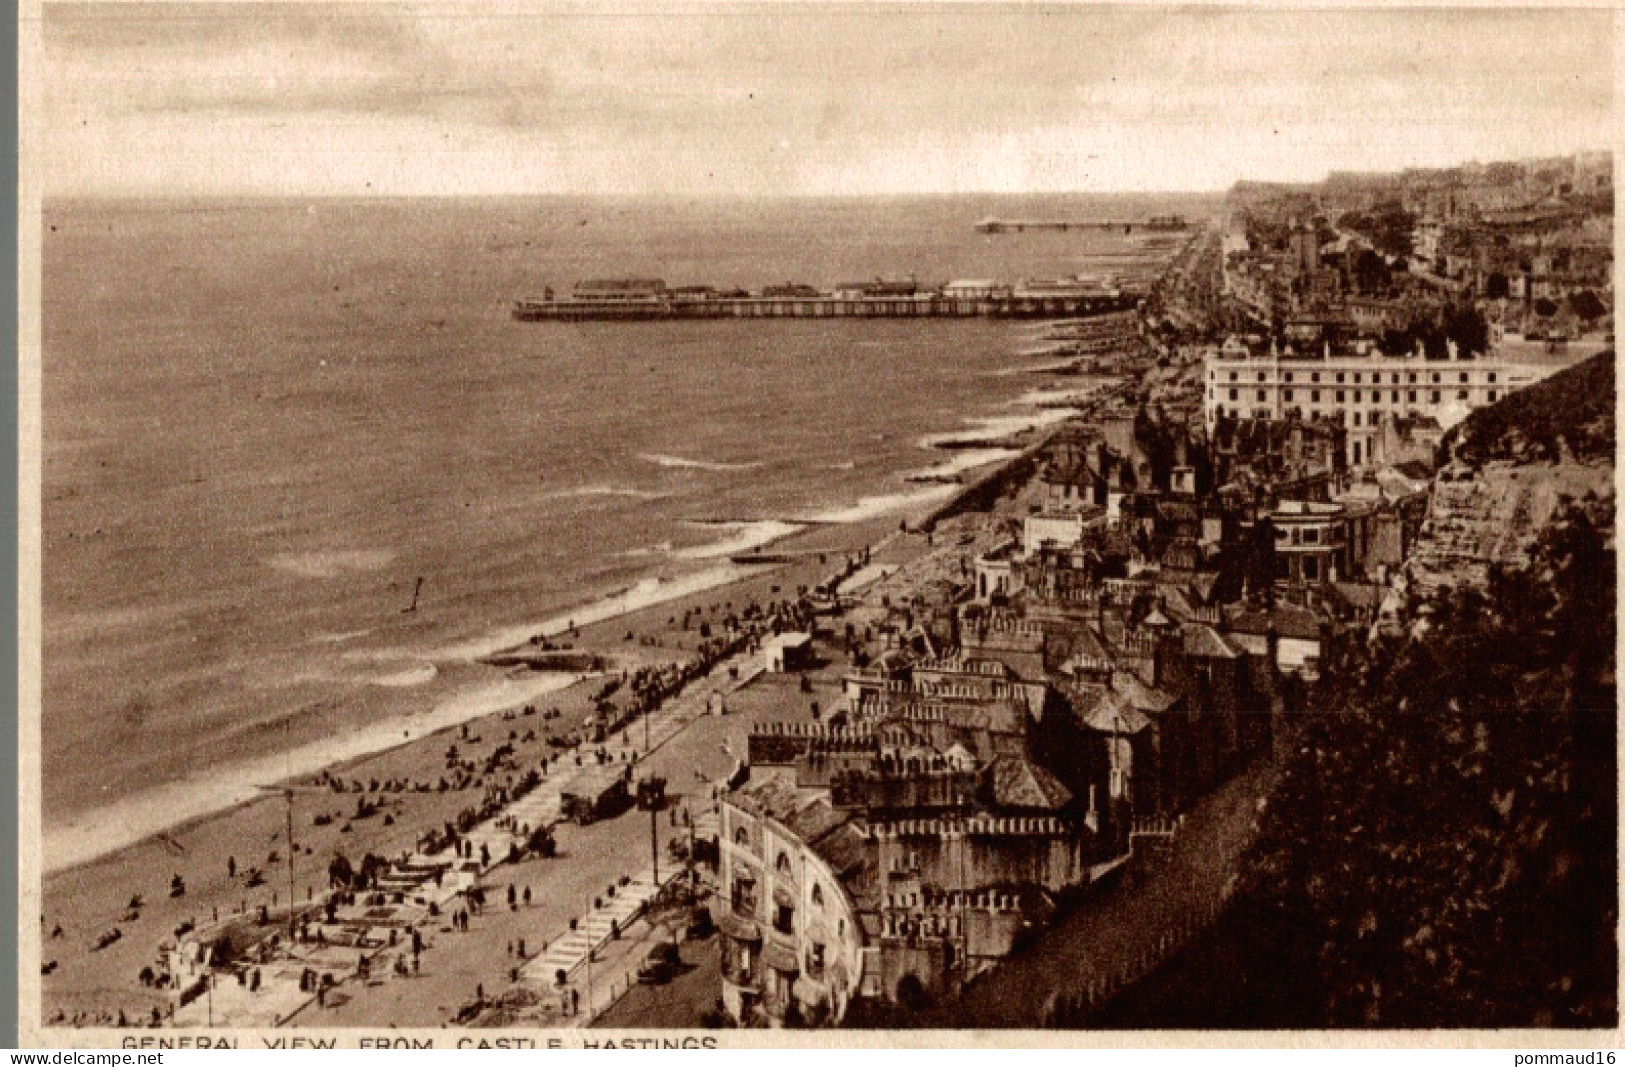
column 689, row 751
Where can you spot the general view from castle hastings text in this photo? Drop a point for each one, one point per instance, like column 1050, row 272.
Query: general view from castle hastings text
column 782, row 558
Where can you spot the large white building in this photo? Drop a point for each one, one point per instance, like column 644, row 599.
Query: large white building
column 1361, row 387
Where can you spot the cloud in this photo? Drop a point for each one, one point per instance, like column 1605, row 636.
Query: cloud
column 774, row 98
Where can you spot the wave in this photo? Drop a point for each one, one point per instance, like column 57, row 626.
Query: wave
column 998, row 427
column 1045, row 398
column 607, row 490
column 683, row 463
column 966, row 460
column 338, row 638
column 331, row 563
column 422, row 674
column 661, row 549
column 875, row 507
column 747, row 535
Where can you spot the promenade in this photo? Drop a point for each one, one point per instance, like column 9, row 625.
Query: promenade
column 377, row 978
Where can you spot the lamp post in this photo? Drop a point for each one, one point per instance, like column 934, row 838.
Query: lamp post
column 654, row 837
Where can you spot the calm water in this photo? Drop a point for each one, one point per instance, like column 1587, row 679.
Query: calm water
column 263, row 420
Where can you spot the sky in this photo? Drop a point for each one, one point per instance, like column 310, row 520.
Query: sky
column 243, row 98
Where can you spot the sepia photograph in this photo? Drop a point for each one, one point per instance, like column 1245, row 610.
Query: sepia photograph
column 694, row 518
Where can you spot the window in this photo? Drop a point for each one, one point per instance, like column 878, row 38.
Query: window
column 1395, row 381
column 1232, row 375
column 1260, row 375
column 1461, row 394
column 1356, row 418
column 1396, row 394
column 815, row 960
column 744, row 895
column 741, row 837
column 1311, row 569
column 1410, row 379
column 1435, row 396
column 1235, row 394
column 1356, row 396
column 1261, row 394
column 784, row 919
column 818, row 896
column 1289, row 376
column 1492, row 396
column 1314, row 396
column 1315, row 377
column 1340, row 396
column 1311, row 535
column 1435, row 377
column 782, row 864
column 1356, row 379
column 1339, row 377
column 1492, row 377
column 1463, row 377
column 1287, row 395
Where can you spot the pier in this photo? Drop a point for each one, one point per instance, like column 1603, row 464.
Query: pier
column 926, row 305
column 1156, row 224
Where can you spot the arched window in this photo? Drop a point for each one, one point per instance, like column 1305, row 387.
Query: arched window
column 783, row 864
column 818, row 896
column 741, row 837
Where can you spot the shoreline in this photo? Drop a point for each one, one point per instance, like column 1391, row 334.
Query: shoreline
column 84, row 901
column 202, row 800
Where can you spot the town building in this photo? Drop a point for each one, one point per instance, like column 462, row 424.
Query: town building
column 1360, row 389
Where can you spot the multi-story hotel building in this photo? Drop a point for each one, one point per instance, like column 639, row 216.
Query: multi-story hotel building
column 1359, row 387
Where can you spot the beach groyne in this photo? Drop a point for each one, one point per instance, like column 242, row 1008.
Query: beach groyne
column 981, row 493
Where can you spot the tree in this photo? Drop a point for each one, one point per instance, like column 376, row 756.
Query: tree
column 1441, row 848
column 1370, row 272
column 1586, row 305
column 1464, row 324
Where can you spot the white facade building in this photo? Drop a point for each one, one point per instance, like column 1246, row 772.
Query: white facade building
column 1363, row 388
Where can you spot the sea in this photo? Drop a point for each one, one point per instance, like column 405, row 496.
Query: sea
column 265, row 420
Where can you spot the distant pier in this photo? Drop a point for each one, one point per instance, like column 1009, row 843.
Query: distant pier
column 1154, row 224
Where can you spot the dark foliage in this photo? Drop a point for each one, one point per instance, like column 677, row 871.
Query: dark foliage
column 1575, row 406
column 1441, row 850
column 1387, row 226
